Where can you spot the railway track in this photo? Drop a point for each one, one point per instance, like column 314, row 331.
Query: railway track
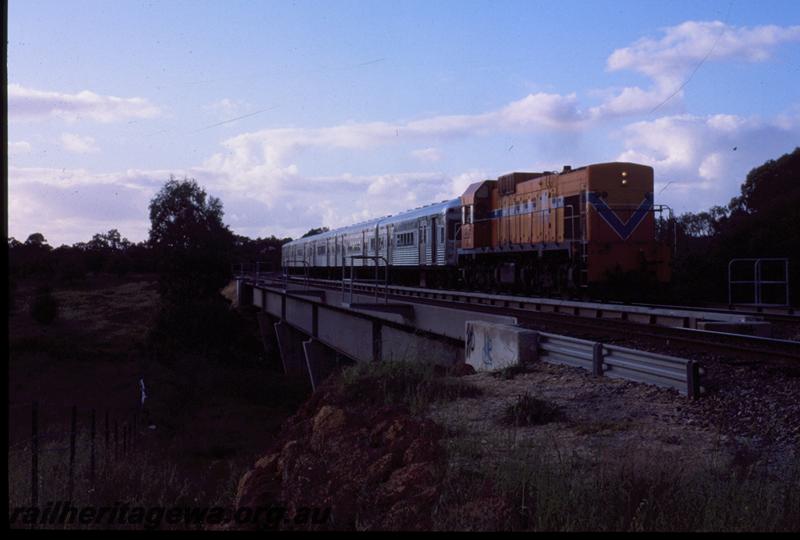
column 771, row 314
column 662, row 338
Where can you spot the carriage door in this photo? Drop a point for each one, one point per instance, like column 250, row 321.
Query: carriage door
column 423, row 242
column 434, row 238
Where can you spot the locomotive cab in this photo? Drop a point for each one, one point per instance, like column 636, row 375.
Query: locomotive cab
column 621, row 222
column 476, row 231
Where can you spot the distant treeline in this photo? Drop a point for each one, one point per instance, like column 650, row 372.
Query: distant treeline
column 111, row 253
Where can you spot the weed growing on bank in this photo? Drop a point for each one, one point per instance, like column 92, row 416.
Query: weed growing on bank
column 414, row 384
column 546, row 488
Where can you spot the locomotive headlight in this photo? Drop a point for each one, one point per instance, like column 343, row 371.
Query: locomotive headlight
column 624, row 177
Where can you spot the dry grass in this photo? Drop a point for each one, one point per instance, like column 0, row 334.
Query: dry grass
column 599, row 467
column 213, row 418
column 546, row 488
column 414, row 384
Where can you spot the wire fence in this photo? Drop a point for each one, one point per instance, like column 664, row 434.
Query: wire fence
column 69, row 462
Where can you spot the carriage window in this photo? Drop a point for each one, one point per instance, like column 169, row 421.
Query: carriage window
column 405, row 239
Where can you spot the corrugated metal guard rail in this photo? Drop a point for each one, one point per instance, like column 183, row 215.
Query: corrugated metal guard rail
column 620, row 362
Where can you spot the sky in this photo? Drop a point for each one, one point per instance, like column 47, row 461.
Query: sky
column 300, row 114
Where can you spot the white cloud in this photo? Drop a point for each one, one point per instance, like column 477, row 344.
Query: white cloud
column 684, row 45
column 670, row 60
column 78, row 144
column 227, row 109
column 427, row 155
column 462, row 181
column 535, row 111
column 266, row 152
column 30, row 104
column 19, row 147
column 69, row 206
column 706, row 158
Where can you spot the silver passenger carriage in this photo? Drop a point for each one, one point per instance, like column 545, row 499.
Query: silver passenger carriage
column 419, row 238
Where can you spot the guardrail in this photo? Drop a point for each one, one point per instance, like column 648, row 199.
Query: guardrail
column 620, row 362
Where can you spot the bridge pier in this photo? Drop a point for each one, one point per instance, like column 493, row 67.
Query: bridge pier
column 266, row 327
column 320, row 361
column 244, row 293
column 290, row 345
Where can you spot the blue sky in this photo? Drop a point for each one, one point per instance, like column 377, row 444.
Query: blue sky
column 301, row 114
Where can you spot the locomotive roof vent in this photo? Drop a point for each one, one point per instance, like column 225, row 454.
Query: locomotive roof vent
column 567, row 168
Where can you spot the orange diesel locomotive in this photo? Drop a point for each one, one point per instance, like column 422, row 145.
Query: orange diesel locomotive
column 553, row 231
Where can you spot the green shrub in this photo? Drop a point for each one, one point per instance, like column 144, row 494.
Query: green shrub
column 414, row 384
column 12, row 288
column 530, row 411
column 44, row 308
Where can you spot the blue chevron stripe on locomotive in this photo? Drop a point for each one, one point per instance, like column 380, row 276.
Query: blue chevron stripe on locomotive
column 624, row 230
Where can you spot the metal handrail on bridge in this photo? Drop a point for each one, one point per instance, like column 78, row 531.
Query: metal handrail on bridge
column 757, row 282
column 352, row 280
column 250, row 270
column 286, row 271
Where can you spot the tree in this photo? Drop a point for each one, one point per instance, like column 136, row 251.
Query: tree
column 314, row 231
column 37, row 240
column 192, row 245
column 317, row 230
column 182, row 217
column 771, row 186
column 193, row 250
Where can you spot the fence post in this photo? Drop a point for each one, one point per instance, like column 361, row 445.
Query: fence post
column 107, row 449
column 35, row 454
column 92, row 451
column 73, row 429
column 693, row 379
column 597, row 360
